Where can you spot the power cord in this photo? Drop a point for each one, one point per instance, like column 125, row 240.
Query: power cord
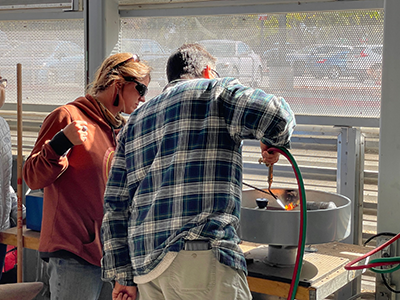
column 388, row 286
column 378, row 235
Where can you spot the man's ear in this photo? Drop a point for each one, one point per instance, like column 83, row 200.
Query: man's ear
column 207, row 72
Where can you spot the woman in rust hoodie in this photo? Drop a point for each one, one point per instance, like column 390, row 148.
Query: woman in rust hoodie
column 70, row 161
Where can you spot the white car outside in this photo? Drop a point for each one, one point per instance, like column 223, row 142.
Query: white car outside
column 236, row 59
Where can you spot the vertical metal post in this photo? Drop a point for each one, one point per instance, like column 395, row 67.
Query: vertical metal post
column 20, row 245
column 101, row 32
column 389, row 142
column 350, row 177
column 350, row 183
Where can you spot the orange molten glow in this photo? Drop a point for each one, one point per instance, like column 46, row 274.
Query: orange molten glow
column 290, row 206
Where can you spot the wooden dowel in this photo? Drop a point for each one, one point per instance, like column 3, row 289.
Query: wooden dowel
column 20, row 237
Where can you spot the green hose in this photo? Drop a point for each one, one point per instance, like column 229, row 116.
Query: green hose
column 386, row 259
column 303, row 223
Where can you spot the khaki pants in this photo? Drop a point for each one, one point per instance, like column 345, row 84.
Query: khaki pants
column 197, row 275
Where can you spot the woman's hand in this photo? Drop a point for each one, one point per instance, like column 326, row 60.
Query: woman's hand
column 76, row 132
column 268, row 158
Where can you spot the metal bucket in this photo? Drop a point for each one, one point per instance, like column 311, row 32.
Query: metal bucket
column 281, row 227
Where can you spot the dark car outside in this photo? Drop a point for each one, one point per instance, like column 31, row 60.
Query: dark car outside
column 276, row 55
column 153, row 53
column 302, row 59
column 331, row 65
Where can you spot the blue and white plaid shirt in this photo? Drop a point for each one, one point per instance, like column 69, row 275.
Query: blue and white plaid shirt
column 177, row 173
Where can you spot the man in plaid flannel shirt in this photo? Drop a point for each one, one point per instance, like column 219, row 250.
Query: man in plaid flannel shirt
column 172, row 201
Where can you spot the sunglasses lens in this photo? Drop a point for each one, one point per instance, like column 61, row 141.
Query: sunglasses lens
column 142, row 89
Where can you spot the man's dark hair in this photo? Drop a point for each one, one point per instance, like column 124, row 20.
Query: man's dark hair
column 189, row 61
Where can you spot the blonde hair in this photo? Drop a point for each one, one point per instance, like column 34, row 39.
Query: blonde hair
column 118, row 66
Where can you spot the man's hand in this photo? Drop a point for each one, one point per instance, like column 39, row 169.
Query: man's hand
column 76, row 132
column 268, row 158
column 122, row 292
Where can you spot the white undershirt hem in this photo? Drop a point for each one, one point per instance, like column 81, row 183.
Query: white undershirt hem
column 157, row 271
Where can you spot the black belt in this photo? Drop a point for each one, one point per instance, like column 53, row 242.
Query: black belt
column 197, row 245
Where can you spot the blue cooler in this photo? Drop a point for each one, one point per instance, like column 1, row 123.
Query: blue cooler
column 34, row 210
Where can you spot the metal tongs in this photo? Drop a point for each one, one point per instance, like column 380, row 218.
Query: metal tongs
column 270, row 179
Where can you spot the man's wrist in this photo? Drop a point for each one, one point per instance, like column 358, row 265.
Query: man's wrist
column 125, row 283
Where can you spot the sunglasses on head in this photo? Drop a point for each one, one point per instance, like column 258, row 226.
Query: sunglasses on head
column 140, row 87
column 3, row 82
column 134, row 57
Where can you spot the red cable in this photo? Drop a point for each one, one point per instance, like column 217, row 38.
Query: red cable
column 350, row 266
column 374, row 265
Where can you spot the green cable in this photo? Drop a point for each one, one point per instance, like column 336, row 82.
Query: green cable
column 385, row 259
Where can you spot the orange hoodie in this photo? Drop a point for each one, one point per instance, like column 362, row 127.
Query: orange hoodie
column 73, row 184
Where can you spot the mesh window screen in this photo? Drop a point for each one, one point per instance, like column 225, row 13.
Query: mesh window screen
column 52, row 59
column 325, row 63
